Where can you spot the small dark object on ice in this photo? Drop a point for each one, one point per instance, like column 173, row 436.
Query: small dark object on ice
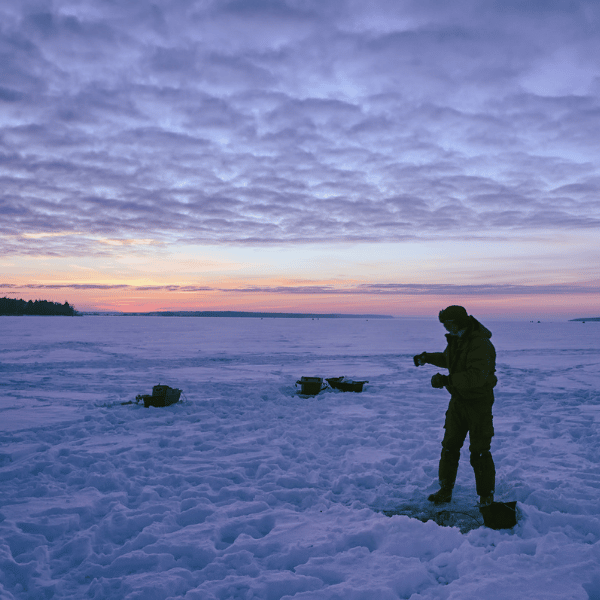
column 346, row 385
column 464, row 518
column 162, row 395
column 499, row 515
column 310, row 386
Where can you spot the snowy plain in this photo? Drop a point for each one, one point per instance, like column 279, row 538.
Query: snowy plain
column 247, row 490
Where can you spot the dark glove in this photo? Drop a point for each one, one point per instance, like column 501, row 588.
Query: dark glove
column 439, row 380
column 419, row 359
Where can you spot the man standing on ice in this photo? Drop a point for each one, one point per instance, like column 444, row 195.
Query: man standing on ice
column 470, row 359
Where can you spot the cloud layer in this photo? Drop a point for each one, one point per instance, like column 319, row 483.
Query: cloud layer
column 377, row 289
column 282, row 122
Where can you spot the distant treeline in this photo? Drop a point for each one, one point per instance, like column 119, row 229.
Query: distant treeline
column 8, row 306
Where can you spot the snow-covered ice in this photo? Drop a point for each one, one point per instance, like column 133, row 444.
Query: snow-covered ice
column 247, row 490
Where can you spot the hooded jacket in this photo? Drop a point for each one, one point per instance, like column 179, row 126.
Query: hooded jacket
column 471, row 362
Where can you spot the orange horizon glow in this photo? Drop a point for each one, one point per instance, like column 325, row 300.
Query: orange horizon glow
column 579, row 305
column 415, row 279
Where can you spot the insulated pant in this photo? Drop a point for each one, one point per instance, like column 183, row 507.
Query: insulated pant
column 474, row 418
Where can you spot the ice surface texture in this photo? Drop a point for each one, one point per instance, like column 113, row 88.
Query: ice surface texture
column 245, row 490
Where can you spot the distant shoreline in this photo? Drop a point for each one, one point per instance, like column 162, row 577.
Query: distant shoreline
column 229, row 313
column 588, row 319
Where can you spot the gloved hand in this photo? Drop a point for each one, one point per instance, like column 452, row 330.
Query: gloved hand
column 419, row 359
column 439, row 380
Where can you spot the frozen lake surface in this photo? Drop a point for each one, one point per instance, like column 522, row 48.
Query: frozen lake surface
column 246, row 490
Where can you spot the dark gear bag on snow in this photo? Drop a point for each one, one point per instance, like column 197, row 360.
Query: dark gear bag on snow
column 499, row 515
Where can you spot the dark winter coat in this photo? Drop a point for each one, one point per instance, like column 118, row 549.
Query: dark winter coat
column 471, row 361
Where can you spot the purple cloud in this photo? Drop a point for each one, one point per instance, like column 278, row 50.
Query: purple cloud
column 278, row 122
column 387, row 289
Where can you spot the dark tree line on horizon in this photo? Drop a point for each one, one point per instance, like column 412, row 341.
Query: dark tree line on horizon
column 10, row 307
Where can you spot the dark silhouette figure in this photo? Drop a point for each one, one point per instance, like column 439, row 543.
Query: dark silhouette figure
column 470, row 359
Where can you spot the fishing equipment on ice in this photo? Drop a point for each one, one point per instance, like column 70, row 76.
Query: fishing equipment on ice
column 346, row 385
column 499, row 515
column 162, row 395
column 310, row 386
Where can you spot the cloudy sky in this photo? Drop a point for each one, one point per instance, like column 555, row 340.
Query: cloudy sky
column 385, row 156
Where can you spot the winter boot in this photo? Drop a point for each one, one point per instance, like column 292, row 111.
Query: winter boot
column 447, row 476
column 442, row 496
column 486, row 500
